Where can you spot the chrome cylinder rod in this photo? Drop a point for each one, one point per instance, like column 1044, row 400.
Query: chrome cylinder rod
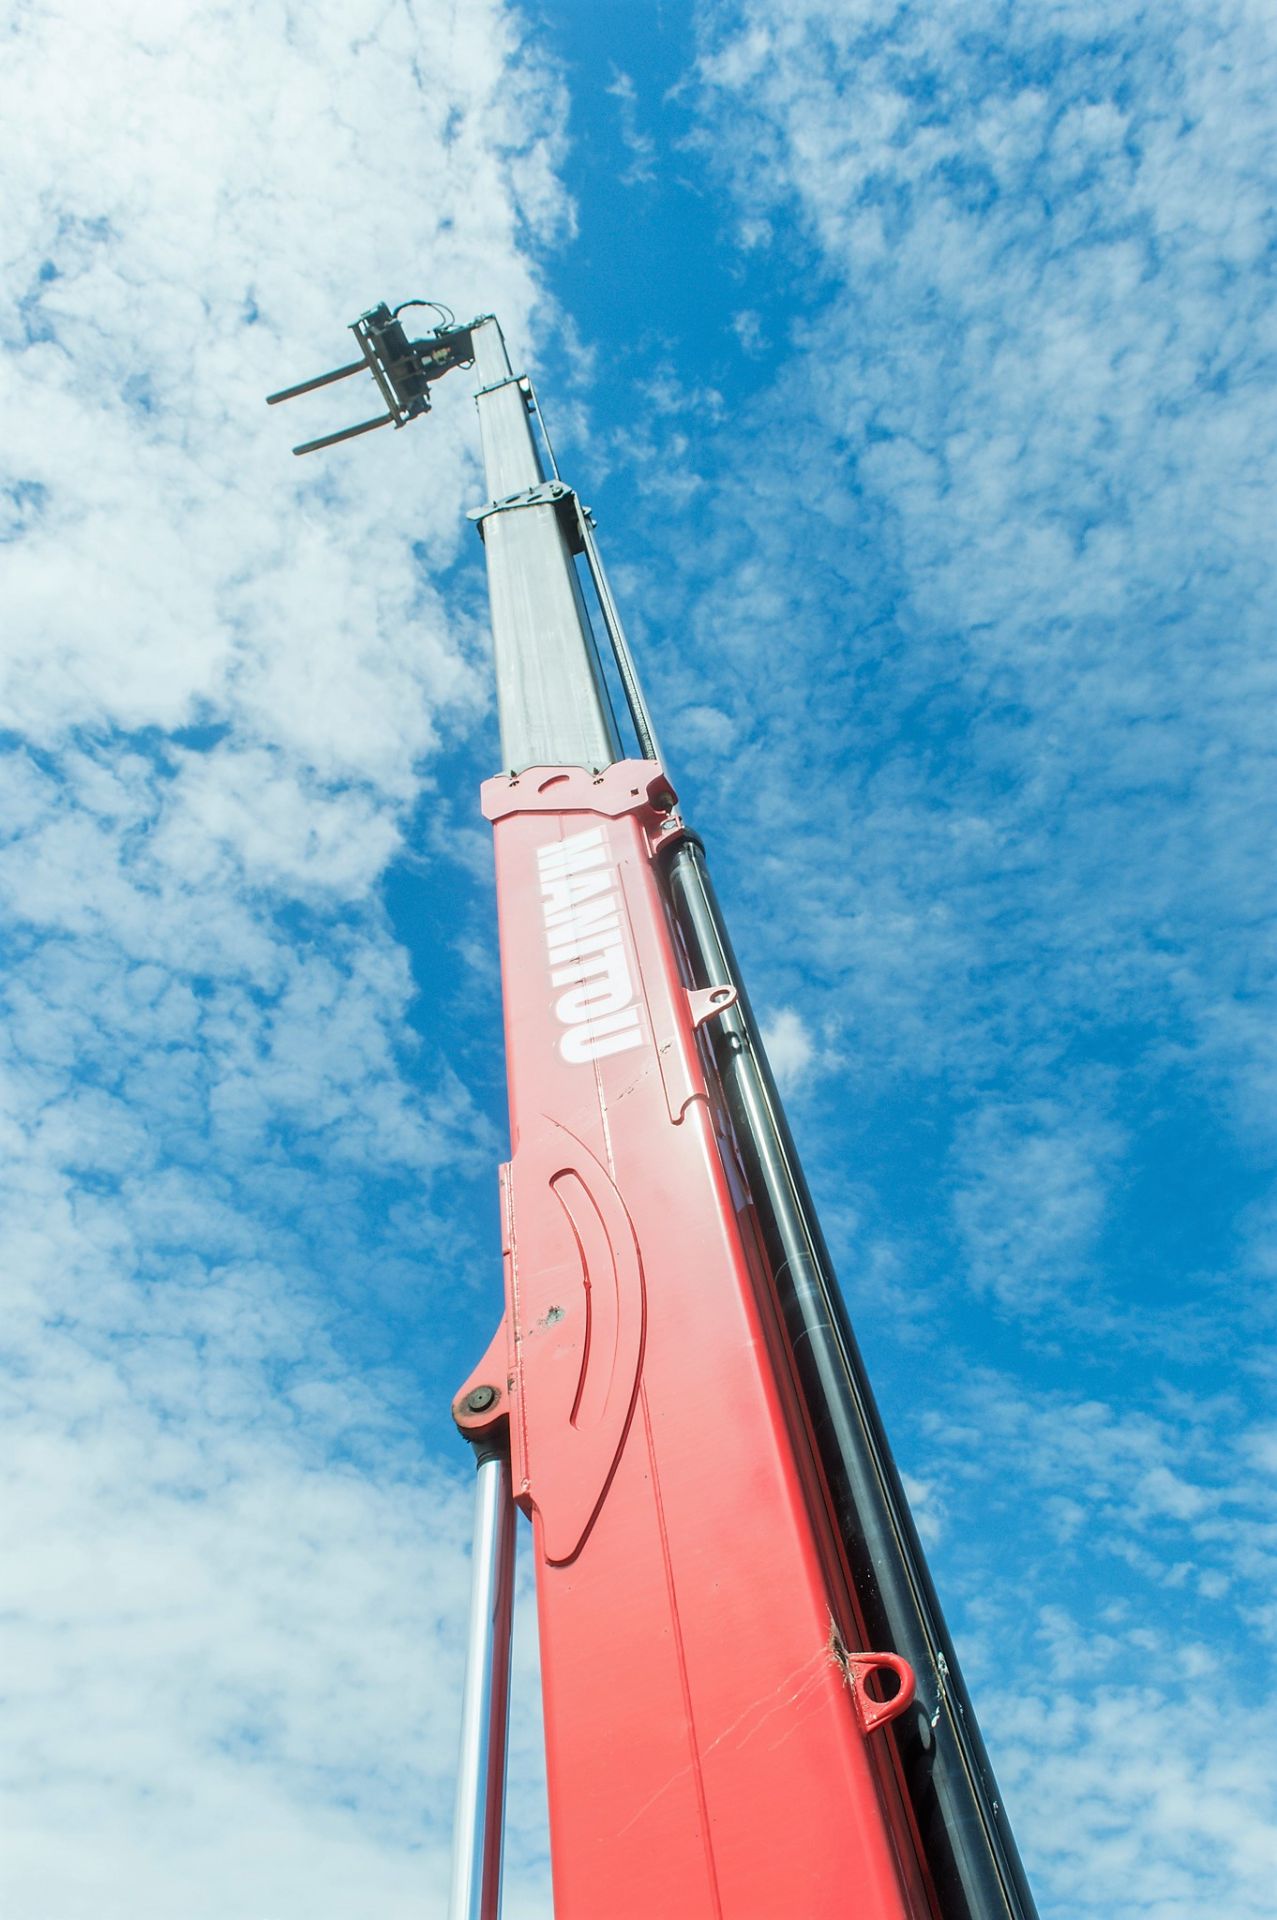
column 479, row 1826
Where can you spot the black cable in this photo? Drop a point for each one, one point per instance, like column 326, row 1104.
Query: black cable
column 447, row 318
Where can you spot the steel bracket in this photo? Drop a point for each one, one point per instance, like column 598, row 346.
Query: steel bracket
column 551, row 493
column 478, row 1416
column 705, row 1002
column 876, row 1713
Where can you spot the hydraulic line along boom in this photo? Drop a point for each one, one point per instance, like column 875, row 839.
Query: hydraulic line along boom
column 752, row 1705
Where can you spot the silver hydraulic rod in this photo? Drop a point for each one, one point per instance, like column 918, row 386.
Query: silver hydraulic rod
column 552, row 702
column 479, row 1827
column 649, row 747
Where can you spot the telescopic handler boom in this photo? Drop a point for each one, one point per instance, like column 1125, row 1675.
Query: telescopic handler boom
column 752, row 1704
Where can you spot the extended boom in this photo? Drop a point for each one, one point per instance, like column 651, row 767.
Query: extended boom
column 752, row 1705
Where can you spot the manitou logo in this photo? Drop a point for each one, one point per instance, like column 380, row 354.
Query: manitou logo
column 582, row 911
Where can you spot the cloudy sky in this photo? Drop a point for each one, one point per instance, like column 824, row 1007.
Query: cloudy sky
column 918, row 363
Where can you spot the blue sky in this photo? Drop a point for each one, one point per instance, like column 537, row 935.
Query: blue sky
column 918, row 365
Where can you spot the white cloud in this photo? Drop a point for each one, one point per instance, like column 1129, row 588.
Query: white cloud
column 179, row 259
column 1139, row 1796
column 1118, row 1711
column 235, row 1592
column 1033, row 1189
column 640, row 145
column 927, row 1509
column 234, row 1623
column 1034, row 443
column 235, row 1584
column 1135, row 1497
column 705, row 730
column 789, row 1048
column 748, row 328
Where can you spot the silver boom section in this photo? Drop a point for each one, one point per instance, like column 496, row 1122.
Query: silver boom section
column 552, row 704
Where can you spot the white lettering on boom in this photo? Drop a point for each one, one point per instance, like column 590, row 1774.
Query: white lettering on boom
column 582, row 911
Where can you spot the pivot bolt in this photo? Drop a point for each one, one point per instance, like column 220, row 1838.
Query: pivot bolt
column 479, row 1399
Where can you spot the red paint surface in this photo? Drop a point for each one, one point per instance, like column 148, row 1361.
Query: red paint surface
column 705, row 1752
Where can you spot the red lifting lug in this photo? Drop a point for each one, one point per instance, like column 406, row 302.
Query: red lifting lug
column 876, row 1713
column 705, row 1002
column 484, row 1400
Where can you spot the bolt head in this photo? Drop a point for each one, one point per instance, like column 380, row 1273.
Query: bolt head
column 479, row 1399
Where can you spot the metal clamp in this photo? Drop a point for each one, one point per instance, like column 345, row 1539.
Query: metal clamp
column 519, row 380
column 550, row 493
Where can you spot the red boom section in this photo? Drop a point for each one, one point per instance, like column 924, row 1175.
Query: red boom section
column 709, row 1739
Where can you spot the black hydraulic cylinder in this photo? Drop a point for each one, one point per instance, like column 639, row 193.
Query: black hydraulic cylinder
column 971, row 1855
